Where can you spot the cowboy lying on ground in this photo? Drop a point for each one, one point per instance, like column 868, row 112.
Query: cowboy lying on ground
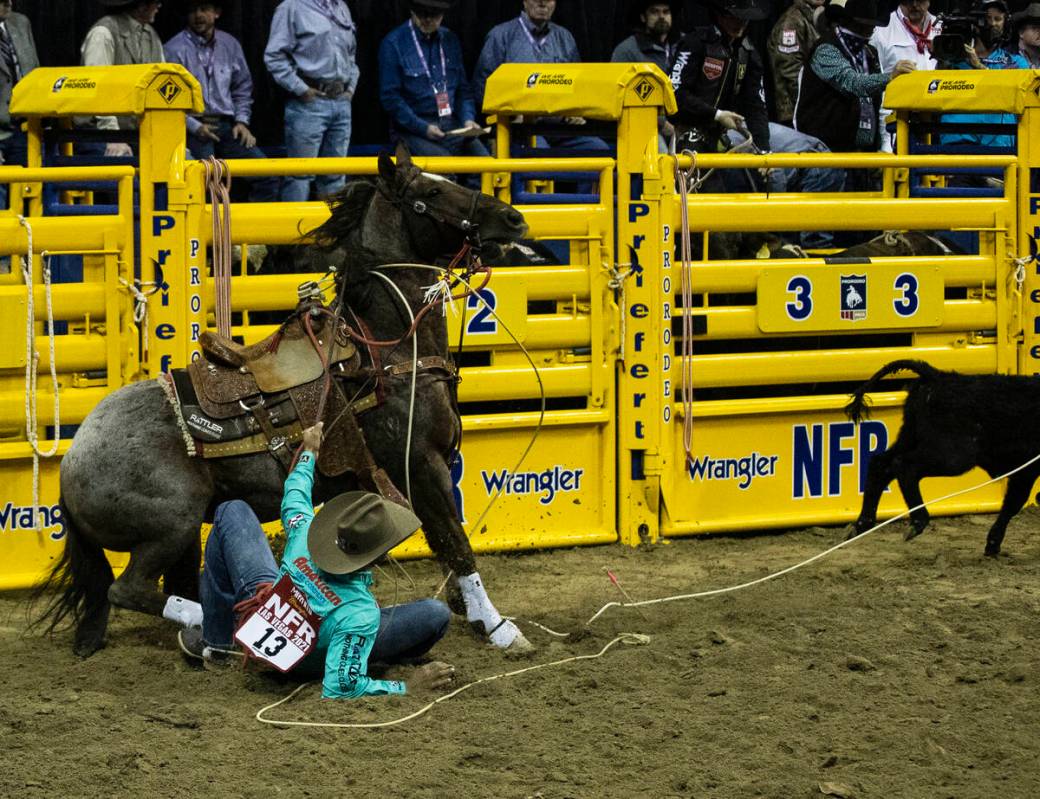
column 327, row 558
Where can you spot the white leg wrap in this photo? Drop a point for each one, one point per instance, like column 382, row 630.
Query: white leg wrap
column 479, row 608
column 183, row 611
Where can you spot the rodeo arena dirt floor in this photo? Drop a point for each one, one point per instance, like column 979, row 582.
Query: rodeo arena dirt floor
column 887, row 669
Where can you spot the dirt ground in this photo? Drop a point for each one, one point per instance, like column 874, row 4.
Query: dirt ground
column 888, row 669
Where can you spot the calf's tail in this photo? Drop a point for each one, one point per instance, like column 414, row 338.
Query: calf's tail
column 858, row 409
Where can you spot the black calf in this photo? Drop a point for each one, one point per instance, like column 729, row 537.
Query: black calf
column 952, row 422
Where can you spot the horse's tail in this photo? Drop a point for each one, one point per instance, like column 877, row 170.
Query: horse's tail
column 857, row 408
column 82, row 576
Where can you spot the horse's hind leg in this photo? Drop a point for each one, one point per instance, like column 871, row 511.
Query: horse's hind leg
column 137, row 588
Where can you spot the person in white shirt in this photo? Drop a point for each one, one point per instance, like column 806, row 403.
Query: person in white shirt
column 907, row 37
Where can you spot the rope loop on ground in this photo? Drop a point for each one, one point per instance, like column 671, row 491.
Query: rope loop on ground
column 628, row 639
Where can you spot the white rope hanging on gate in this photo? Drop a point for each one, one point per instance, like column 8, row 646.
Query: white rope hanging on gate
column 32, row 359
column 218, row 184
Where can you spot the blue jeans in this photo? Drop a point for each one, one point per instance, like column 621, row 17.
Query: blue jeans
column 318, row 129
column 238, row 559
column 783, row 139
column 449, row 146
column 260, row 189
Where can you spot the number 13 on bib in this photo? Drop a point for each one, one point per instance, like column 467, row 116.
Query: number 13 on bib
column 283, row 629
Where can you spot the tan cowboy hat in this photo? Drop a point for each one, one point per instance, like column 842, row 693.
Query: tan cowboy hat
column 355, row 529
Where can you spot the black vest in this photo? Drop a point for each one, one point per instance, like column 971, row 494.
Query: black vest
column 824, row 112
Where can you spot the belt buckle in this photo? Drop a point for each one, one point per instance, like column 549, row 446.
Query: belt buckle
column 333, row 88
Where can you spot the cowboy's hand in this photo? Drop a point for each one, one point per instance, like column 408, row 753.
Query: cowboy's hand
column 730, row 120
column 242, row 135
column 431, row 677
column 310, row 94
column 903, row 67
column 205, row 131
column 312, row 438
column 434, row 132
column 118, row 149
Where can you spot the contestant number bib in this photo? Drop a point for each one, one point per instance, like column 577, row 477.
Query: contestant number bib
column 283, row 630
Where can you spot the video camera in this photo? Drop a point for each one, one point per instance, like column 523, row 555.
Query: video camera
column 958, row 29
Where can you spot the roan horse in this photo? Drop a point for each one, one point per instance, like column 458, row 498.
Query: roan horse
column 128, row 484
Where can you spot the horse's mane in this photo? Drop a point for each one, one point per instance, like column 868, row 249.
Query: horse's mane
column 348, row 208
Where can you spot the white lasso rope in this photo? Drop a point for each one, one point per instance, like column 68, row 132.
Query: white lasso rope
column 632, row 639
column 32, row 359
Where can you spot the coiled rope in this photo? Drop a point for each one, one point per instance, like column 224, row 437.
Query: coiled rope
column 32, row 359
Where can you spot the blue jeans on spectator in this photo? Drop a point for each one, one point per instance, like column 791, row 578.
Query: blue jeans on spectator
column 448, row 146
column 14, row 150
column 260, row 189
column 580, row 143
column 238, row 559
column 317, row 129
column 783, row 139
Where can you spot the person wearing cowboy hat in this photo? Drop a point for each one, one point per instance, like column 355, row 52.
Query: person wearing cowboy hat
column 123, row 36
column 718, row 78
column 1027, row 24
column 839, row 98
column 216, row 60
column 423, row 85
column 328, row 557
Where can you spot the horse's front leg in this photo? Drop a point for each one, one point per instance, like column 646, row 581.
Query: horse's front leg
column 434, row 504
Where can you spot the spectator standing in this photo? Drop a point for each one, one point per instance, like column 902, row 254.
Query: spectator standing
column 17, row 58
column 790, row 43
column 311, row 54
column 839, row 97
column 124, row 36
column 216, row 60
column 907, row 37
column 423, row 85
column 655, row 41
column 1027, row 26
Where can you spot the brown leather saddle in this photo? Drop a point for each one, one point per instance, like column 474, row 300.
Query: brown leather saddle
column 240, row 400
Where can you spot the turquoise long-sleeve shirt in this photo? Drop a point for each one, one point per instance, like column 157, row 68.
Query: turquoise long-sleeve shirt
column 349, row 612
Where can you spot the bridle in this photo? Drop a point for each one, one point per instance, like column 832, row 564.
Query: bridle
column 411, row 208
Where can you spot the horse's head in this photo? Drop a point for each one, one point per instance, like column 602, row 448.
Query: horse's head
column 440, row 215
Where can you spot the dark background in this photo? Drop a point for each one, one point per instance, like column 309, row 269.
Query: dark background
column 598, row 25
